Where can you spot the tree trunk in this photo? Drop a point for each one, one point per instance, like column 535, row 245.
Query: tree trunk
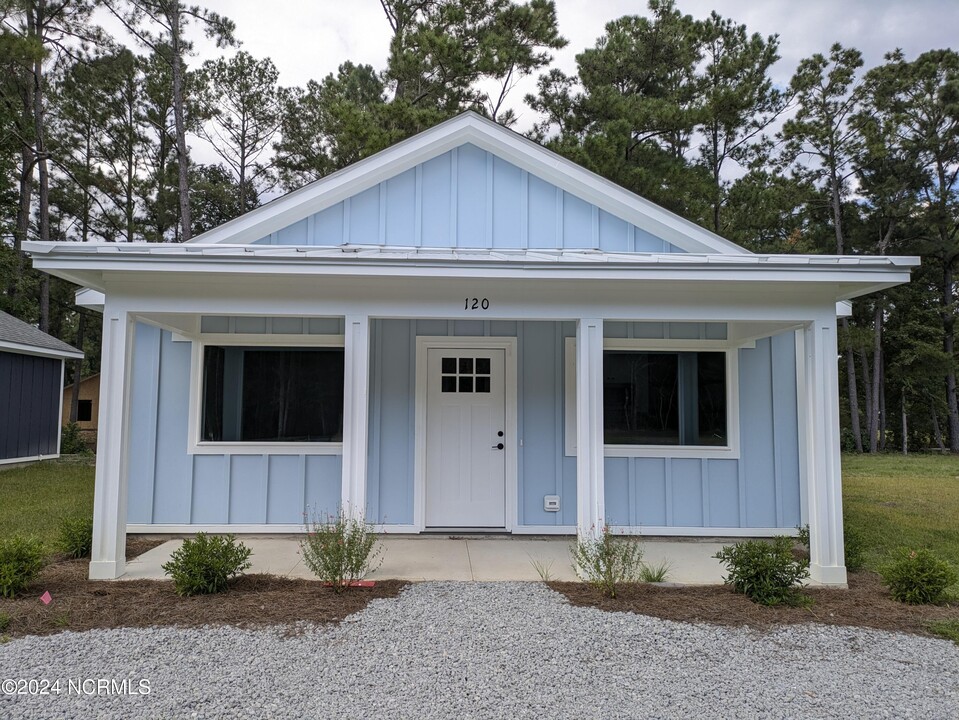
column 937, row 431
column 948, row 346
column 876, row 374
column 866, row 390
column 36, row 18
column 77, row 373
column 183, row 160
column 882, row 403
column 905, row 424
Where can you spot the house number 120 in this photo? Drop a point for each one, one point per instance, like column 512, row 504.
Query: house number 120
column 476, row 304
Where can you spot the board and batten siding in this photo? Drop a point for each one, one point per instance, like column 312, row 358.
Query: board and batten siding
column 30, row 392
column 760, row 490
column 468, row 198
column 168, row 486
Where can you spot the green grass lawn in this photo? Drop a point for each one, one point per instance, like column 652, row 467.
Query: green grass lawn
column 897, row 501
column 37, row 497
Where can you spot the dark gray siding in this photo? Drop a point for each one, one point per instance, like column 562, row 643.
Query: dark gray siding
column 30, row 394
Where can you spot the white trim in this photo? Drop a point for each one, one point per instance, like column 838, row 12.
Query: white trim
column 219, row 529
column 718, row 532
column 195, row 446
column 428, row 342
column 356, row 403
column 23, row 349
column 732, row 451
column 32, row 458
column 590, row 464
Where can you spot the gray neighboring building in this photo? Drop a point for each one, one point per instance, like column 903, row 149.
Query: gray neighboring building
column 31, row 389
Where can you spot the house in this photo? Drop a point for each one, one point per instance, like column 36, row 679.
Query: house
column 31, row 378
column 467, row 331
column 87, row 406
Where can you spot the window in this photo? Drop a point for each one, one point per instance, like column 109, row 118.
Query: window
column 664, row 398
column 84, row 410
column 465, row 375
column 271, row 394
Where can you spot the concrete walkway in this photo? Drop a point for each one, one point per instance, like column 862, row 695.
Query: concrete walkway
column 480, row 558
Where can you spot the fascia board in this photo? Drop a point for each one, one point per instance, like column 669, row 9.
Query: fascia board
column 22, row 349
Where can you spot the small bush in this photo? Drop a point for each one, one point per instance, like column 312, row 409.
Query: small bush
column 340, row 550
column 766, row 573
column 75, row 536
column 918, row 576
column 21, row 560
column 608, row 561
column 205, row 564
column 71, row 441
column 654, row 573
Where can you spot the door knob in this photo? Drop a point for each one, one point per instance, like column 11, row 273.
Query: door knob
column 498, row 446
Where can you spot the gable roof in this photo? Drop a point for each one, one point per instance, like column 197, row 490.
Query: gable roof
column 19, row 336
column 502, row 142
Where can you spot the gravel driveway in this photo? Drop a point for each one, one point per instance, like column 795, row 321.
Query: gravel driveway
column 491, row 650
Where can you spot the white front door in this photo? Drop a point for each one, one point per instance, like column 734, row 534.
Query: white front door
column 465, row 438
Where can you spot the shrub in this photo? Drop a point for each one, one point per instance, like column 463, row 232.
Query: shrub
column 75, row 536
column 5, row 622
column 71, row 442
column 21, row 560
column 918, row 576
column 205, row 564
column 767, row 573
column 340, row 550
column 607, row 561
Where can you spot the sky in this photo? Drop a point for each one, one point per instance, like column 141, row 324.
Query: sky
column 310, row 38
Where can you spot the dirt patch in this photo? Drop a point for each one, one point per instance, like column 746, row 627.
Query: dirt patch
column 865, row 604
column 252, row 601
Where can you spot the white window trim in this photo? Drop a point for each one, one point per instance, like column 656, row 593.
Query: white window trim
column 197, row 447
column 731, row 451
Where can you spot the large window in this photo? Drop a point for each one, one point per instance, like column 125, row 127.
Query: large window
column 271, row 394
column 664, row 398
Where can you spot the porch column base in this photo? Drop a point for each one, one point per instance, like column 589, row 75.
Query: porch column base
column 834, row 575
column 106, row 569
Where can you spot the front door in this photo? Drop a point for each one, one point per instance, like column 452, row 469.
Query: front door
column 465, row 438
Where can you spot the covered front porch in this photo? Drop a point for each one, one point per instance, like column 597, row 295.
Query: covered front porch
column 467, row 558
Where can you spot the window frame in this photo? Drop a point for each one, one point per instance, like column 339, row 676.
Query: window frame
column 730, row 451
column 196, row 446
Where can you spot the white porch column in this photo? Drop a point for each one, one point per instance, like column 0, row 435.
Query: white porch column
column 356, row 383
column 108, row 556
column 590, row 488
column 823, row 469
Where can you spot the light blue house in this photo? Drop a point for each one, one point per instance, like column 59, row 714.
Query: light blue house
column 466, row 331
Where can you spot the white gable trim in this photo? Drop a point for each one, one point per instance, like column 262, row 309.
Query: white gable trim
column 501, row 142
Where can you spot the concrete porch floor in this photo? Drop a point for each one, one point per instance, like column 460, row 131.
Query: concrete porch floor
column 479, row 558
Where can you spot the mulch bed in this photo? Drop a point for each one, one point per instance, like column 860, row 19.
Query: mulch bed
column 865, row 604
column 251, row 601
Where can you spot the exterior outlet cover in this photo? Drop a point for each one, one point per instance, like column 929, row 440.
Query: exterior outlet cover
column 551, row 503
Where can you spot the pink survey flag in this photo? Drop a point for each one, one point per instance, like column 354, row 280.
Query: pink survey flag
column 46, row 598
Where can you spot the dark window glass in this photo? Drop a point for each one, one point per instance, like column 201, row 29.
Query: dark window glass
column 272, row 394
column 482, row 384
column 449, row 365
column 711, row 400
column 661, row 398
column 466, row 384
column 466, row 365
column 482, row 366
column 84, row 410
column 449, row 383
